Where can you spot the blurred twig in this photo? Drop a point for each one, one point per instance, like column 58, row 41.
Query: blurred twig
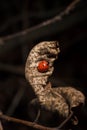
column 40, row 15
column 26, row 123
column 33, row 124
column 45, row 28
column 1, row 128
column 18, row 70
column 15, row 101
column 25, row 24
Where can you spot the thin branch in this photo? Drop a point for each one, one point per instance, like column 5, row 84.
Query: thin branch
column 17, row 18
column 33, row 124
column 43, row 29
column 26, row 123
column 15, row 101
column 1, row 127
column 66, row 120
column 17, row 70
column 56, row 18
column 40, row 15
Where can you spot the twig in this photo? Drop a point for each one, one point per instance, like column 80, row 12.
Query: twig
column 26, row 123
column 54, row 19
column 45, row 28
column 18, row 70
column 33, row 124
column 66, row 120
column 30, row 15
column 1, row 127
column 18, row 96
column 40, row 15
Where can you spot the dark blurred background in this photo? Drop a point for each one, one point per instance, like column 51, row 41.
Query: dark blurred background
column 15, row 44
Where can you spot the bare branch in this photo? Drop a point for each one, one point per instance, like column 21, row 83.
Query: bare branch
column 33, row 124
column 18, row 70
column 26, row 123
column 18, row 96
column 1, row 128
column 56, row 18
column 45, row 28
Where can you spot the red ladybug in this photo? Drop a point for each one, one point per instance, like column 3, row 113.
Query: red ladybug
column 43, row 66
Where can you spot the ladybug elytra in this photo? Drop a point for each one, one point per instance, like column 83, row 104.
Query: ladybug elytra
column 43, row 66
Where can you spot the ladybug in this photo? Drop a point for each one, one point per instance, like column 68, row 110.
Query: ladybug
column 43, row 66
